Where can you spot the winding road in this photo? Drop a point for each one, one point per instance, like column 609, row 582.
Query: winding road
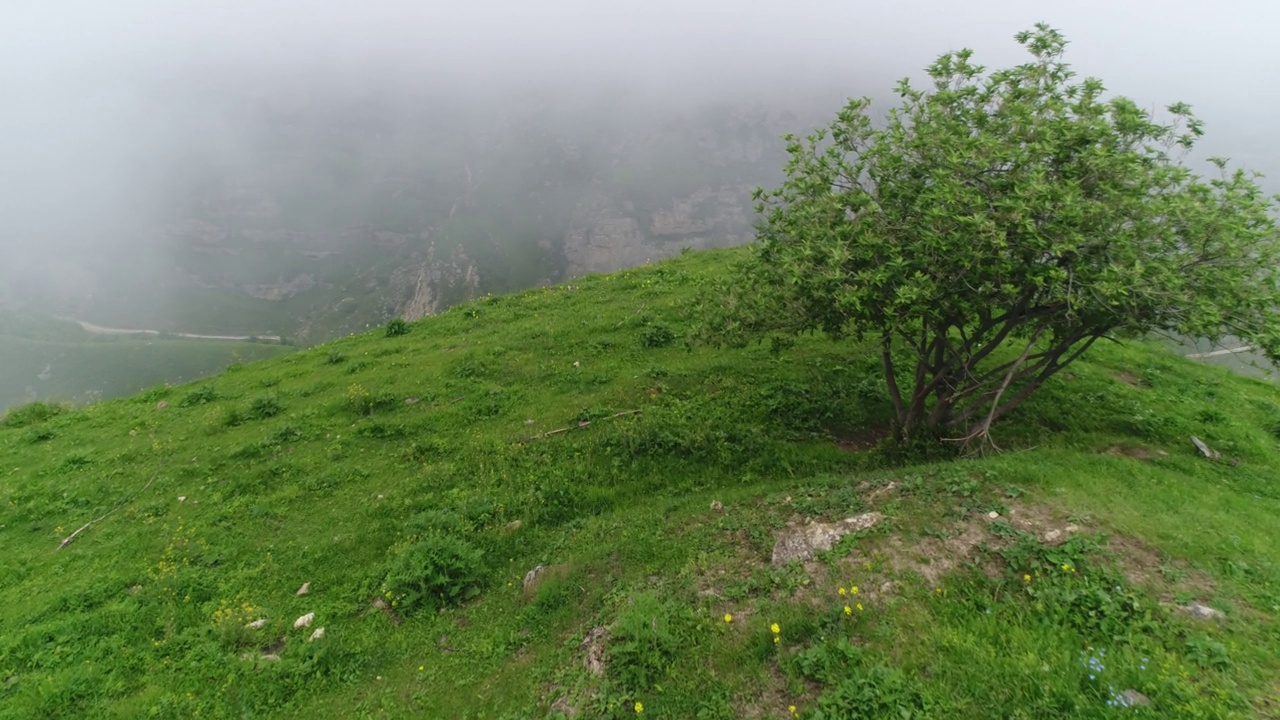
column 100, row 330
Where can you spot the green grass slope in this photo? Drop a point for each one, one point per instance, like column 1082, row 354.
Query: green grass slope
column 47, row 359
column 413, row 481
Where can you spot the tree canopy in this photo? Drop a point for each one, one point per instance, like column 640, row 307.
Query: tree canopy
column 997, row 224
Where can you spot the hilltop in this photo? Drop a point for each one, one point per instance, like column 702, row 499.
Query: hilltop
column 549, row 504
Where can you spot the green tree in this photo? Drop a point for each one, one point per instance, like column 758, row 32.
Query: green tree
column 996, row 225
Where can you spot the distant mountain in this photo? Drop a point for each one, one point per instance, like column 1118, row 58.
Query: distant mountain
column 316, row 215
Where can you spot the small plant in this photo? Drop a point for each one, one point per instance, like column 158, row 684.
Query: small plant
column 362, row 402
column 264, row 407
column 233, row 417
column 230, row 622
column 645, row 640
column 436, row 571
column 657, row 335
column 335, row 358
column 397, row 327
column 200, row 396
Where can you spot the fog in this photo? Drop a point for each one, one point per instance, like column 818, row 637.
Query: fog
column 124, row 120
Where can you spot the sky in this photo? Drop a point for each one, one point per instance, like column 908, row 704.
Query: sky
column 83, row 132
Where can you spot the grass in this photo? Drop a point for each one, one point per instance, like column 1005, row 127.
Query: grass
column 414, row 479
column 94, row 368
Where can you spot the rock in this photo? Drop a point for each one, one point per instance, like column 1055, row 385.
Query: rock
column 532, row 576
column 888, row 588
column 306, row 588
column 319, row 633
column 256, row 624
column 993, row 515
column 411, row 401
column 162, row 404
column 1205, row 450
column 182, row 498
column 561, row 705
column 800, row 543
column 1203, row 612
column 304, row 621
column 1052, row 536
column 593, row 646
column 386, row 610
column 1072, row 529
column 1133, row 698
column 717, row 506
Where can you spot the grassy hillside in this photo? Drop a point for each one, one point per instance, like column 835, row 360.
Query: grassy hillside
column 413, row 481
column 47, row 359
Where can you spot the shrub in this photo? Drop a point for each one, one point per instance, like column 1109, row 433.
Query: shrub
column 436, row 571
column 645, row 639
column 264, row 407
column 397, row 327
column 657, row 335
column 200, row 396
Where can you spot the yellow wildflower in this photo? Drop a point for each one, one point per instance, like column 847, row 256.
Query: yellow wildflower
column 854, row 589
column 792, row 708
column 775, row 629
column 639, row 707
column 776, row 639
column 859, row 607
column 1026, row 578
column 728, row 617
column 848, row 610
column 842, row 592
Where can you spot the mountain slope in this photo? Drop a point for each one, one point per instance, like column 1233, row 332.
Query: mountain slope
column 415, row 482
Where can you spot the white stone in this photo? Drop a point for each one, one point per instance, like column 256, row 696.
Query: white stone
column 800, row 543
column 306, row 588
column 304, row 621
column 1203, row 612
column 319, row 633
column 256, row 624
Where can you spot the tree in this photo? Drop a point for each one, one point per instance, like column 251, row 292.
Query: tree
column 994, row 227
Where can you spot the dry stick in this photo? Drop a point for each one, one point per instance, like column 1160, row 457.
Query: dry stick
column 580, row 425
column 68, row 539
column 637, row 312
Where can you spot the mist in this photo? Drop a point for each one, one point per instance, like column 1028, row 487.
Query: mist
column 157, row 153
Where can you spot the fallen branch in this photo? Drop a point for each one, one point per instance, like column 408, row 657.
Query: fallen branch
column 579, row 426
column 70, row 538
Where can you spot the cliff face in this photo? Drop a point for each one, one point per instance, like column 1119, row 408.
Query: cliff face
column 435, row 283
column 606, row 235
column 348, row 212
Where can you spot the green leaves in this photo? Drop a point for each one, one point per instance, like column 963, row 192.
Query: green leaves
column 1011, row 204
